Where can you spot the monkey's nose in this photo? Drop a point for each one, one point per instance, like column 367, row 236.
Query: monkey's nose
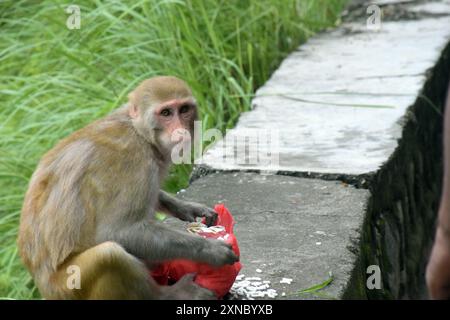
column 180, row 135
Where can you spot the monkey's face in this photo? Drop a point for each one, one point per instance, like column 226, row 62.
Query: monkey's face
column 173, row 122
column 163, row 111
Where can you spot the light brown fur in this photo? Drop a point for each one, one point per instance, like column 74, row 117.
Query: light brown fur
column 91, row 200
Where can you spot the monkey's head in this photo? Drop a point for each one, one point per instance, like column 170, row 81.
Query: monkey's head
column 163, row 110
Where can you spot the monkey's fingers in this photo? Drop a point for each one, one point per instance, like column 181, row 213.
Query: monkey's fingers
column 187, row 217
column 222, row 254
column 187, row 278
column 233, row 257
column 210, row 215
column 186, row 288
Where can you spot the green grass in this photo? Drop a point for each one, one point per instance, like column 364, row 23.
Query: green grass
column 314, row 291
column 55, row 80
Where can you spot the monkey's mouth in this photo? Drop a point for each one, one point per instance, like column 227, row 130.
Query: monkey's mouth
column 181, row 136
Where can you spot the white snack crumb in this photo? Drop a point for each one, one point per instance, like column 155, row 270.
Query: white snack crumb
column 318, row 243
column 286, row 280
column 249, row 288
column 258, row 270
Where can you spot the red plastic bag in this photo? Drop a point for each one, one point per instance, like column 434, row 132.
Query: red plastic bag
column 217, row 279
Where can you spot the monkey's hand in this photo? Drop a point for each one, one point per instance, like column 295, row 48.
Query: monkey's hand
column 217, row 253
column 186, row 210
column 187, row 289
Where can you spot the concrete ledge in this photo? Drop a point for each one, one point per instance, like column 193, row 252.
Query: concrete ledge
column 337, row 102
column 289, row 227
column 360, row 157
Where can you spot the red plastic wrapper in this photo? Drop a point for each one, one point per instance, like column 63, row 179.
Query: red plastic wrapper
column 217, row 279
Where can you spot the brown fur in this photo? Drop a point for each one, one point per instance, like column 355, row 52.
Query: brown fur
column 91, row 200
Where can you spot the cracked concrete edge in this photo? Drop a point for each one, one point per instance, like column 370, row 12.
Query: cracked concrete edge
column 359, row 181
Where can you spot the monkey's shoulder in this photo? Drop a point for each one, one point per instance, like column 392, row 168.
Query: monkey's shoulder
column 109, row 139
column 113, row 134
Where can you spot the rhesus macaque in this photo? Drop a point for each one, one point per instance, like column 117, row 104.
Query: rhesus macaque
column 92, row 198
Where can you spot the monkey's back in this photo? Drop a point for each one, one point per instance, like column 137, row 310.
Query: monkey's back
column 73, row 182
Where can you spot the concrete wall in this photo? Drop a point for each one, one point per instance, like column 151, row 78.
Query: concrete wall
column 405, row 193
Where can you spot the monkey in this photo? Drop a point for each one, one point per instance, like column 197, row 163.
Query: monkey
column 92, row 199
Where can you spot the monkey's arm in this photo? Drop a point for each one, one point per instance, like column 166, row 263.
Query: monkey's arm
column 154, row 242
column 184, row 210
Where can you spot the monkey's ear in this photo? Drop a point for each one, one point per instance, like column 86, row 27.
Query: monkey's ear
column 133, row 110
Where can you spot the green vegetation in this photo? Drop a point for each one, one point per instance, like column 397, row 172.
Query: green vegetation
column 315, row 289
column 55, row 80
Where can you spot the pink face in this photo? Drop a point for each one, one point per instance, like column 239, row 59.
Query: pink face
column 177, row 118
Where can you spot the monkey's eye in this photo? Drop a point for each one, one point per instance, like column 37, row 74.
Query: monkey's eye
column 185, row 108
column 166, row 112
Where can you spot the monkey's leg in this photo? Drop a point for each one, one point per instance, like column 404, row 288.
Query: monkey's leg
column 108, row 272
